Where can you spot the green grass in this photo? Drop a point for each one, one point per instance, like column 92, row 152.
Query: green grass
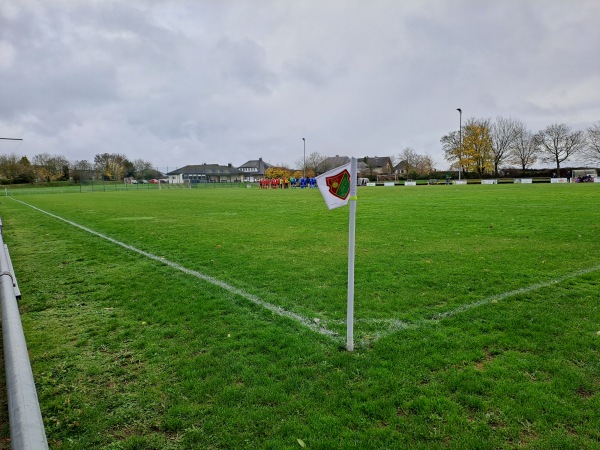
column 131, row 353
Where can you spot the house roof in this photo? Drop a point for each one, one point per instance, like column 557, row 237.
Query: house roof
column 335, row 161
column 206, row 169
column 402, row 165
column 378, row 161
column 258, row 164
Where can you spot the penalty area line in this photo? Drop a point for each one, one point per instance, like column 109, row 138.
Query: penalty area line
column 395, row 325
column 214, row 281
column 524, row 290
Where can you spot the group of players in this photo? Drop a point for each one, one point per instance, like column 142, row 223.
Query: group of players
column 285, row 183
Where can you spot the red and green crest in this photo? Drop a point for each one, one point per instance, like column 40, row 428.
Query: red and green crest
column 339, row 184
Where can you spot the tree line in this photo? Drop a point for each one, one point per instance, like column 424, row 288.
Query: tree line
column 413, row 164
column 484, row 147
column 481, row 146
column 45, row 167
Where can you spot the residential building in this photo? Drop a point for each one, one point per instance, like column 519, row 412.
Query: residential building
column 205, row 173
column 378, row 165
column 402, row 168
column 253, row 170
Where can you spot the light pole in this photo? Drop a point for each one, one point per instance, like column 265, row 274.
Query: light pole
column 459, row 140
column 304, row 166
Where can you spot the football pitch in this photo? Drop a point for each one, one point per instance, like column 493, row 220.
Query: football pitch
column 216, row 318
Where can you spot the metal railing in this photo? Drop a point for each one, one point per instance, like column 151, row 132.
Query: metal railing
column 24, row 415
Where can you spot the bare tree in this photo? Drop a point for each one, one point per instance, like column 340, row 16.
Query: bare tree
column 415, row 165
column 453, row 151
column 504, row 133
column 82, row 170
column 525, row 150
column 332, row 162
column 407, row 158
column 557, row 143
column 593, row 143
column 424, row 165
column 142, row 169
column 313, row 164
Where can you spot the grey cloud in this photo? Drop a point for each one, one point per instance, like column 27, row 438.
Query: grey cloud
column 244, row 62
column 229, row 81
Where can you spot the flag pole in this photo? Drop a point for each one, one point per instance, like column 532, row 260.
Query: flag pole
column 352, row 220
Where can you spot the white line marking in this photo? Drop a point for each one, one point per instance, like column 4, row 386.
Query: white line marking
column 393, row 325
column 533, row 287
column 232, row 289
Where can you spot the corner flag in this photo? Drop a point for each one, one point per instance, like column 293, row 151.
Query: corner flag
column 338, row 187
column 335, row 186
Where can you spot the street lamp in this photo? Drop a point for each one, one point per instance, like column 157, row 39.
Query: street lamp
column 459, row 140
column 304, row 167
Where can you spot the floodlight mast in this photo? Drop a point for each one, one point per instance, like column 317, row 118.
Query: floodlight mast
column 304, row 168
column 11, row 139
column 459, row 140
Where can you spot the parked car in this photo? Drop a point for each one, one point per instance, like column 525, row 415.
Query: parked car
column 144, row 181
column 154, row 181
column 133, row 182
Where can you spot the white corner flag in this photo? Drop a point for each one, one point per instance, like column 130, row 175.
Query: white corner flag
column 338, row 187
column 335, row 186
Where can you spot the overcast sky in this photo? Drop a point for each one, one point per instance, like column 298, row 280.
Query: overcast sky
column 226, row 81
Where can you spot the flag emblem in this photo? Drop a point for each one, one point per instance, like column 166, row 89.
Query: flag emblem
column 339, row 184
column 335, row 186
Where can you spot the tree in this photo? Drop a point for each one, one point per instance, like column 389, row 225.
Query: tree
column 453, row 151
column 407, row 158
column 477, row 147
column 14, row 170
column 82, row 170
column 314, row 163
column 143, row 169
column 525, row 150
column 278, row 172
column 593, row 143
column 424, row 165
column 26, row 174
column 557, row 143
column 112, row 166
column 504, row 133
column 51, row 167
column 415, row 165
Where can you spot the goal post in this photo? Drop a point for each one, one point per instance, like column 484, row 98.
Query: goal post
column 382, row 178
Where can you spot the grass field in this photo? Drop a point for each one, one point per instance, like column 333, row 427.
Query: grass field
column 477, row 317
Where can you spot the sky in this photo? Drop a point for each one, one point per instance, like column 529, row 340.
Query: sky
column 178, row 82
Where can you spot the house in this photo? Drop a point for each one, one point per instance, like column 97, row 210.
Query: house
column 402, row 168
column 205, row 173
column 253, row 170
column 369, row 166
column 377, row 165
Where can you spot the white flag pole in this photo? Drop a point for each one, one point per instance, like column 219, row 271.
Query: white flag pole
column 350, row 312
